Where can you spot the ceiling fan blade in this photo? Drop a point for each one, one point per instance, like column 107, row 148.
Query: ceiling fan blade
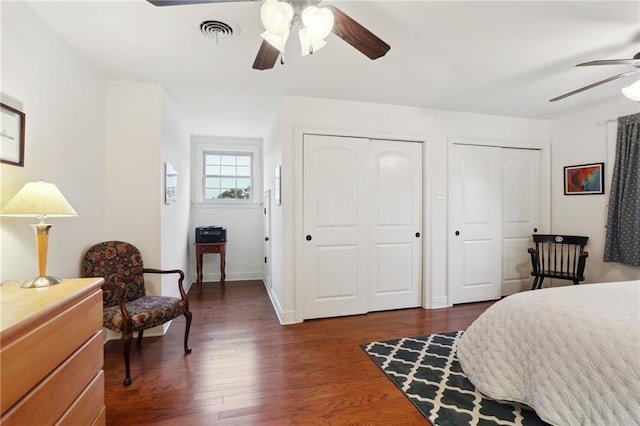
column 357, row 36
column 611, row 62
column 592, row 85
column 186, row 2
column 634, row 61
column 266, row 57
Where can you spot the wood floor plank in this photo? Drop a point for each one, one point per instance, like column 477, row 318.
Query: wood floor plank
column 247, row 369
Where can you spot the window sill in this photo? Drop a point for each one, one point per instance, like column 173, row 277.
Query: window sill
column 204, row 205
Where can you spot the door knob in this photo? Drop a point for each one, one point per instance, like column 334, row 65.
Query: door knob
column 266, row 238
column 535, row 229
column 308, row 237
column 417, row 235
column 457, row 233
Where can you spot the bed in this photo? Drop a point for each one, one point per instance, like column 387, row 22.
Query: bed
column 571, row 353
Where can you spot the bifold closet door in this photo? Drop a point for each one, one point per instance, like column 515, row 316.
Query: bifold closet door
column 520, row 215
column 493, row 210
column 396, row 225
column 336, row 225
column 362, row 208
column 475, row 231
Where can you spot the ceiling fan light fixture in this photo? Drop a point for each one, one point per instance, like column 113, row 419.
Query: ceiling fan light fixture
column 318, row 21
column 276, row 40
column 276, row 16
column 633, row 91
column 309, row 45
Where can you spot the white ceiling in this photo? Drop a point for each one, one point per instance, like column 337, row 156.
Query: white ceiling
column 505, row 57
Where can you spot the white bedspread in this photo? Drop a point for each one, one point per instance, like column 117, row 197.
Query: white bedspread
column 571, row 353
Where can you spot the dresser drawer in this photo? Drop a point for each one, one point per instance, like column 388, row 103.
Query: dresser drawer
column 101, row 420
column 47, row 402
column 27, row 358
column 87, row 408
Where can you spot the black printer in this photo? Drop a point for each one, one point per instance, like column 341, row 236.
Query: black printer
column 211, row 234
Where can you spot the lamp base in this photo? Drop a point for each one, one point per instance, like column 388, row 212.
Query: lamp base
column 39, row 282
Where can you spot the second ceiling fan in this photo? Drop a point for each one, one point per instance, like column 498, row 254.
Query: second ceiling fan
column 634, row 62
column 315, row 24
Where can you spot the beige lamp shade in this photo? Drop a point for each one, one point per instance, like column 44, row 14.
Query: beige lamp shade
column 38, row 199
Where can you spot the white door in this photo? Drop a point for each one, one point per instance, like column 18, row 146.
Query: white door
column 396, row 225
column 267, row 236
column 520, row 215
column 475, row 240
column 336, row 225
column 362, row 207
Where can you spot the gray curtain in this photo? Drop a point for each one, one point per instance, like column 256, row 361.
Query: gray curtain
column 623, row 221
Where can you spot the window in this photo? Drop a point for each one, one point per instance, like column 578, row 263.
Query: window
column 227, row 175
column 227, row 171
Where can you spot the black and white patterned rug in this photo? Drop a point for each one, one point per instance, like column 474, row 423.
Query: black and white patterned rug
column 426, row 369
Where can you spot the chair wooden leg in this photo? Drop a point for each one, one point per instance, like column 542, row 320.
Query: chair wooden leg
column 139, row 341
column 535, row 283
column 540, row 282
column 187, row 315
column 127, row 356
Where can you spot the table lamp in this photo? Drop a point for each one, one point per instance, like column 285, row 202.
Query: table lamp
column 40, row 200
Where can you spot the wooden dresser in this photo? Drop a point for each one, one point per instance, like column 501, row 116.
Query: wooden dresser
column 51, row 354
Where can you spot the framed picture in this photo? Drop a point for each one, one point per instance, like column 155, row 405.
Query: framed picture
column 278, row 185
column 170, row 184
column 584, row 179
column 11, row 136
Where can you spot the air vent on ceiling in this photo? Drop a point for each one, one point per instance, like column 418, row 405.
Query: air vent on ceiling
column 217, row 30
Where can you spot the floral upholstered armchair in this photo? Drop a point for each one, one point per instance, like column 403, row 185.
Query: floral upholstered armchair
column 127, row 308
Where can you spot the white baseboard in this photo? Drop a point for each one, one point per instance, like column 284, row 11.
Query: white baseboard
column 267, row 282
column 439, row 302
column 231, row 276
column 285, row 317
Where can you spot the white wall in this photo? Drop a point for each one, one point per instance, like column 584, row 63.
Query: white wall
column 244, row 241
column 134, row 169
column 174, row 217
column 578, row 139
column 435, row 127
column 280, row 214
column 102, row 143
column 143, row 131
column 64, row 101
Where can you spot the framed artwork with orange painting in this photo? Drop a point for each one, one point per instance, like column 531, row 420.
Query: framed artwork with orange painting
column 584, row 179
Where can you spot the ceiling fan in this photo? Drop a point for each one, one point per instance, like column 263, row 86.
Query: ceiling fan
column 635, row 88
column 280, row 16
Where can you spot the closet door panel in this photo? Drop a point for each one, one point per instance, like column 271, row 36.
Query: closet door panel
column 520, row 215
column 335, row 226
column 475, row 245
column 396, row 224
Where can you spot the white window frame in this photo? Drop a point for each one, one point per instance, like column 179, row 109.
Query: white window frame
column 221, row 176
column 224, row 145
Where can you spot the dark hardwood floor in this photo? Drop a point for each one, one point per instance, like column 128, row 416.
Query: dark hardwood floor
column 246, row 368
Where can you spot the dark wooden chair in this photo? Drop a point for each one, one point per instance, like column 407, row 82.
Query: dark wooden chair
column 127, row 306
column 558, row 256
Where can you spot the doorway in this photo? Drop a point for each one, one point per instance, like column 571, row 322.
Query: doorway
column 266, row 224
